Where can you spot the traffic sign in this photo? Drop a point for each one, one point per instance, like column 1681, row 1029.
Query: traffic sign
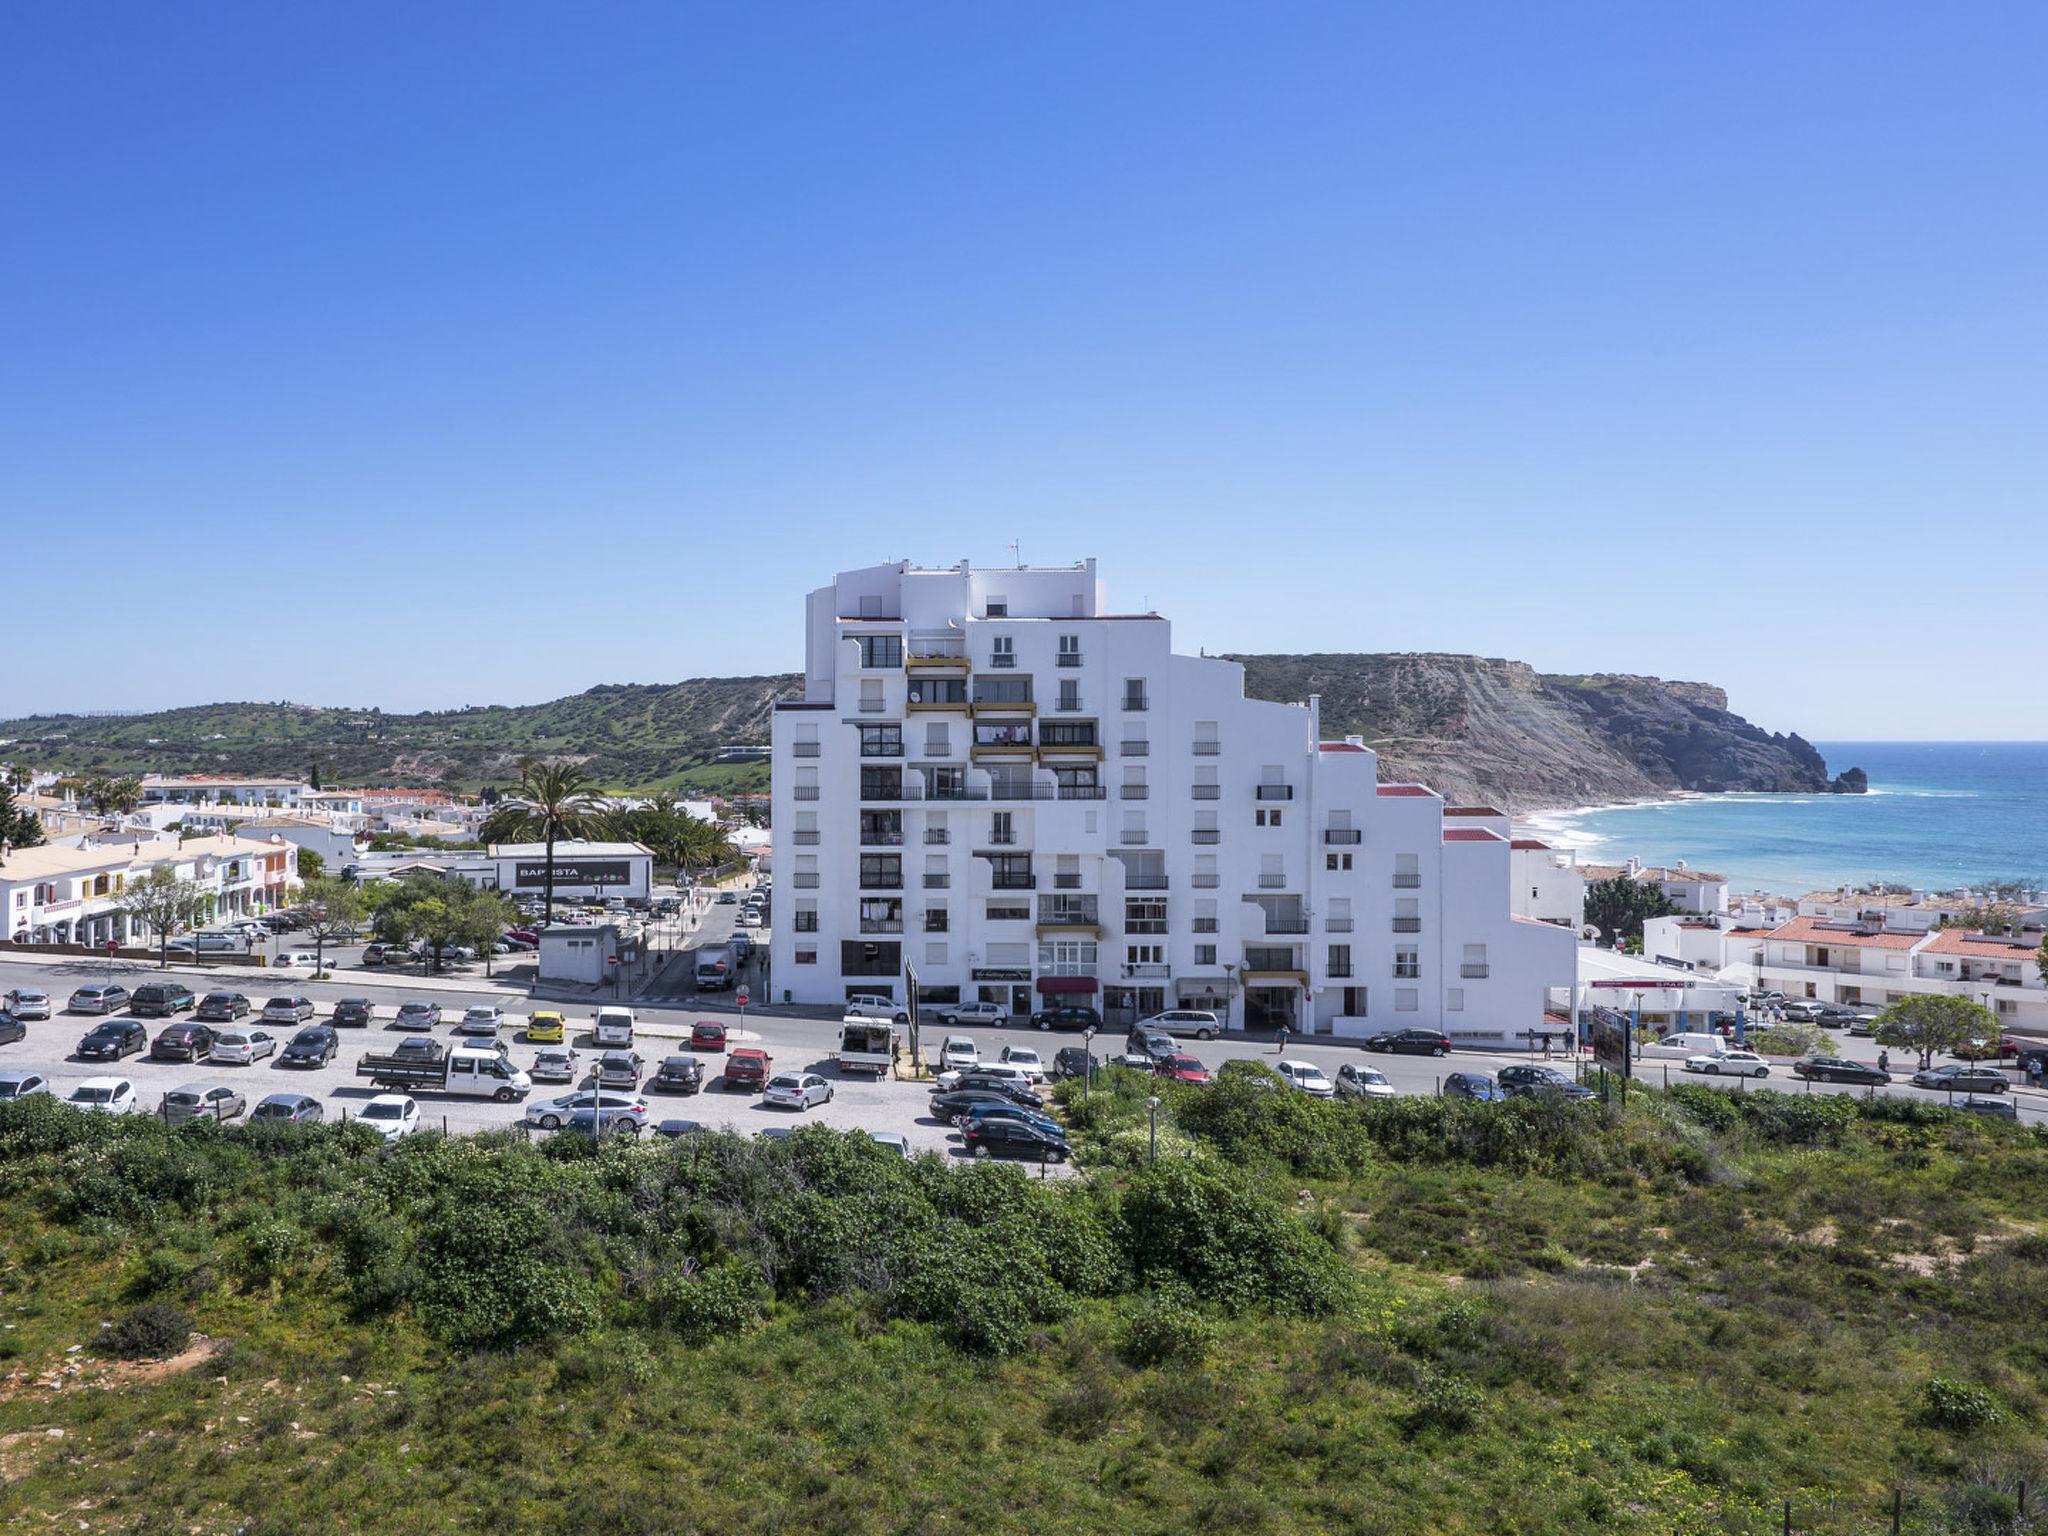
column 113, row 946
column 741, row 999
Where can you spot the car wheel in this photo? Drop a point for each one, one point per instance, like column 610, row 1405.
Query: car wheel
column 1436, row 1050
column 979, row 1152
column 503, row 1095
column 551, row 1122
column 1045, row 1023
column 1714, row 1067
column 1763, row 1071
column 1205, row 1034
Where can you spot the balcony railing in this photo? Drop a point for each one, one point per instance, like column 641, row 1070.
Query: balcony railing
column 881, row 882
column 1135, row 748
column 1407, row 972
column 1135, row 792
column 1002, row 661
column 1474, row 970
column 805, row 792
column 1272, row 882
column 1069, row 658
column 1002, row 839
column 1286, row 925
column 1204, row 882
column 873, row 706
column 1136, row 839
column 1407, row 925
column 1136, row 703
column 1205, row 925
column 1146, row 970
column 954, row 792
column 1206, row 791
column 1020, row 792
column 937, row 836
column 937, row 882
column 1338, row 972
column 1015, row 883
column 881, row 749
column 1082, row 792
column 885, row 793
column 1150, row 882
column 1276, row 791
column 803, row 749
column 1206, row 836
column 1208, row 748
column 881, row 925
column 875, row 839
column 1336, row 925
column 1349, row 837
column 805, row 839
column 1407, row 882
column 805, row 882
column 1066, row 882
column 1068, row 706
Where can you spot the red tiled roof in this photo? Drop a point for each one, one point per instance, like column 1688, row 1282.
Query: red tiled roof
column 1471, row 835
column 1472, row 810
column 1531, row 842
column 1809, row 930
column 1339, row 746
column 1406, row 789
column 1960, row 941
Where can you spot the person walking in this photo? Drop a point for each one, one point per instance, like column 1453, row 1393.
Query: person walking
column 1280, row 1041
column 1884, row 1061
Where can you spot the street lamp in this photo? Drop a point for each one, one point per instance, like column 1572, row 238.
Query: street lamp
column 1628, row 1046
column 1229, row 970
column 1152, row 1107
column 1088, row 1058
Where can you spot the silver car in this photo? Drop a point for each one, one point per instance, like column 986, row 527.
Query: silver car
column 242, row 1047
column 485, row 1019
column 552, row 1114
column 287, row 1010
column 618, row 1069
column 203, row 1101
column 797, row 1090
column 21, row 1085
column 27, row 1003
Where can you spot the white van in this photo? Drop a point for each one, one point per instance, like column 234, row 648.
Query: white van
column 613, row 1026
column 1678, row 1047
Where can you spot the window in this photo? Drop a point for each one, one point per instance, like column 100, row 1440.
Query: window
column 936, row 690
column 1473, row 966
column 1206, row 744
column 881, row 650
column 1407, row 963
column 1067, row 733
column 1002, row 828
column 935, row 920
column 1144, row 916
column 1144, row 954
column 1009, row 912
column 806, row 956
column 1205, row 954
column 881, row 741
column 1067, row 957
column 871, row 696
column 996, row 608
column 1407, row 915
column 1205, row 872
column 1134, row 827
column 1406, row 999
column 1267, row 818
column 1070, row 650
column 935, row 954
column 1454, row 1001
column 1339, row 861
column 937, row 742
column 1340, row 960
column 1134, row 693
column 1002, row 651
column 1070, row 694
column 1272, row 871
column 1338, row 919
column 881, row 871
column 1407, row 871
column 881, row 914
column 807, row 922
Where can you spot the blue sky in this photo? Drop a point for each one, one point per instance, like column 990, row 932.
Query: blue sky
column 448, row 354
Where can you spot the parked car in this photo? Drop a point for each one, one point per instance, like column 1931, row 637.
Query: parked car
column 98, row 998
column 289, row 1008
column 1182, row 1069
column 1986, row 1050
column 297, row 1108
column 1026, row 1060
column 1306, row 1076
column 547, row 1026
column 313, row 1046
column 1067, row 1016
column 113, row 1040
column 958, row 1054
column 1072, row 1061
column 1837, row 1069
column 242, row 1047
column 872, row 1005
column 612, row 1026
column 954, row 1104
column 27, row 1003
column 727, row 898
column 104, row 1096
column 182, row 1042
column 673, row 1129
column 1198, row 1022
column 415, row 1014
column 1411, row 1042
column 677, row 1074
column 1527, row 1080
column 375, row 954
column 618, row 1069
column 1955, row 1079
column 160, row 1000
column 625, row 1120
column 209, row 944
column 1013, row 1138
column 553, row 1114
column 222, row 1008
column 353, row 1013
column 993, row 1015
column 1729, row 1063
column 202, row 1101
column 307, row 960
column 1000, row 1109
column 988, row 1071
column 11, row 1029
column 553, row 1064
column 1473, row 1085
column 707, row 1036
column 391, row 1115
column 2003, row 1109
column 1361, row 1082
column 22, row 1085
column 1154, row 1044
column 747, row 1069
column 1799, row 1010
column 892, row 1141
column 484, row 1019
column 796, row 1090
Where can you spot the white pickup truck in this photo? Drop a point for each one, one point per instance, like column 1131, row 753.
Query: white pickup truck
column 866, row 1045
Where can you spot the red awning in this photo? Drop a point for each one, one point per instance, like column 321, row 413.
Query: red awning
column 1066, row 983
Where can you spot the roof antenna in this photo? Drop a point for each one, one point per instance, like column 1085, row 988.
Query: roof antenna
column 1016, row 554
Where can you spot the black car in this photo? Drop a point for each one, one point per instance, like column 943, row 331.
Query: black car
column 952, row 1105
column 182, row 1042
column 1472, row 1085
column 353, row 1013
column 1960, row 1079
column 677, row 1074
column 1836, row 1069
column 1014, row 1138
column 289, row 1106
column 1530, row 1082
column 1411, row 1042
column 1008, row 1087
column 1155, row 1043
column 1073, row 1061
column 160, row 999
column 1067, row 1016
column 11, row 1028
column 313, row 1046
column 222, row 1007
column 675, row 1128
column 113, row 1040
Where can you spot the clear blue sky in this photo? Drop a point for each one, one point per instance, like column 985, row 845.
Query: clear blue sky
column 425, row 355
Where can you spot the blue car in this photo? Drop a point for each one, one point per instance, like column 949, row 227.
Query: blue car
column 1473, row 1085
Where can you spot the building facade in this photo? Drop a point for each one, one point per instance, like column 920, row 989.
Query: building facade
column 1027, row 799
column 58, row 895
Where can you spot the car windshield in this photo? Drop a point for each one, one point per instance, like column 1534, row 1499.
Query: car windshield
column 785, row 1082
column 282, row 1002
column 181, row 1098
column 273, row 1112
column 10, row 1090
column 481, row 1013
column 90, row 1095
column 384, row 1111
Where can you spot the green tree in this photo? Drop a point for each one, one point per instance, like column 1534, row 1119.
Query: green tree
column 311, row 864
column 163, row 904
column 436, row 912
column 331, row 909
column 20, row 827
column 1928, row 1023
column 111, row 796
column 1619, row 907
column 551, row 802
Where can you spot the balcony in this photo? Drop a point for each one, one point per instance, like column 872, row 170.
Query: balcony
column 936, row 653
column 1067, row 706
column 805, row 792
column 1205, row 792
column 1131, row 839
column 873, row 706
column 1152, row 882
column 1272, row 882
column 1407, row 882
column 1407, row 925
column 1204, row 882
column 937, row 837
column 1341, row 972
column 1478, row 971
column 881, row 882
column 804, row 882
column 804, row 839
column 1136, row 703
column 1208, row 748
column 937, row 882
column 1135, row 792
column 1066, row 882
column 1346, row 837
column 999, row 663
column 1146, row 970
column 881, row 792
column 1020, row 792
column 1286, row 924
column 1000, row 749
column 881, row 749
column 1082, row 792
column 926, row 700
column 803, row 749
column 1276, row 791
column 1002, row 839
column 953, row 792
column 881, row 925
column 876, row 838
column 1336, row 925
column 1407, row 972
column 1069, row 658
column 1206, row 836
column 1003, row 882
column 1135, row 749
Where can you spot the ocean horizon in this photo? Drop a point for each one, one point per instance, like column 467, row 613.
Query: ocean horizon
column 1940, row 815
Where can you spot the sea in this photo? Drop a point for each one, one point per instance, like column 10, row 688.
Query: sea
column 1940, row 815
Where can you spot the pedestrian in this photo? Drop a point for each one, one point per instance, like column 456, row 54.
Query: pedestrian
column 1884, row 1061
column 1546, row 1045
column 2034, row 1070
column 1280, row 1038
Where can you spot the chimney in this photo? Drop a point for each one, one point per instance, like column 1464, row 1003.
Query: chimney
column 1354, row 741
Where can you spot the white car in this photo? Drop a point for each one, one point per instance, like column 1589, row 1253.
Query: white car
column 1017, row 1075
column 104, row 1096
column 1306, row 1076
column 22, row 1085
column 748, row 918
column 869, row 1005
column 242, row 1047
column 1025, row 1059
column 958, row 1054
column 27, row 1003
column 993, row 1014
column 796, row 1090
column 483, row 1019
column 1731, row 1063
column 391, row 1115
column 296, row 960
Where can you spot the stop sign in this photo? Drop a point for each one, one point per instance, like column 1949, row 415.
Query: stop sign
column 741, row 999
column 113, row 946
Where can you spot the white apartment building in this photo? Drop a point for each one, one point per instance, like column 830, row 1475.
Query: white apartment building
column 1028, row 799
column 1872, row 963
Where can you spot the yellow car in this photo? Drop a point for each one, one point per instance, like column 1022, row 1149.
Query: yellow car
column 547, row 1028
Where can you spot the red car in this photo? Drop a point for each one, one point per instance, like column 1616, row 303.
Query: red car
column 707, row 1036
column 1182, row 1069
column 747, row 1068
column 1986, row 1050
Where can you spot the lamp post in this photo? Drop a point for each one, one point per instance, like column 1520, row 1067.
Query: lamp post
column 1628, row 1046
column 1088, row 1064
column 1229, row 970
column 1152, row 1108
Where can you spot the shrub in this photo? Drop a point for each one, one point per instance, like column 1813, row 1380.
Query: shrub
column 147, row 1332
column 1447, row 1402
column 722, row 1299
column 1165, row 1328
column 1208, row 1229
column 1958, row 1406
column 267, row 1250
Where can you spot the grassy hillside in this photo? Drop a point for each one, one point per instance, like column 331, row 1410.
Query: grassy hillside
column 1411, row 1316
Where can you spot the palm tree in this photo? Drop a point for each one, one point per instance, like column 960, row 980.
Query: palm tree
column 550, row 801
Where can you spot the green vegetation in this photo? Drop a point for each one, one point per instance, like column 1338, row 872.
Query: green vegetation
column 1415, row 1315
column 164, row 905
column 20, row 827
column 1926, row 1024
column 436, row 913
column 552, row 802
column 1619, row 907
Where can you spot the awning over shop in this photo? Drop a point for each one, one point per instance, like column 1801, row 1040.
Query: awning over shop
column 1066, row 984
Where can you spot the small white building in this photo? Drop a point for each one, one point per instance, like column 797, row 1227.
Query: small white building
column 1668, row 999
column 1549, row 886
column 224, row 788
column 1689, row 890
column 582, row 869
column 583, row 956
